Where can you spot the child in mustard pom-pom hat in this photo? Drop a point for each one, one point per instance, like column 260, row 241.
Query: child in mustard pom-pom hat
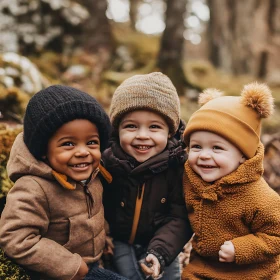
column 53, row 222
column 235, row 215
column 144, row 204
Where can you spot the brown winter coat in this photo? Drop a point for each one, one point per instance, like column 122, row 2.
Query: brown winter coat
column 239, row 207
column 46, row 227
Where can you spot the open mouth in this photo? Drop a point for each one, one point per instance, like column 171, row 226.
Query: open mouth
column 81, row 165
column 207, row 166
column 142, row 147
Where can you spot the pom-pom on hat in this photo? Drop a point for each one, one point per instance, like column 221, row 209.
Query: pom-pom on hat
column 154, row 92
column 56, row 105
column 236, row 118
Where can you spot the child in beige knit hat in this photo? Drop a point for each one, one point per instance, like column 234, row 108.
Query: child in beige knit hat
column 144, row 204
column 235, row 215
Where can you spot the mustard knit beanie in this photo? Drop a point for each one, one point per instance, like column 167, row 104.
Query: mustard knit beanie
column 236, row 118
column 154, row 92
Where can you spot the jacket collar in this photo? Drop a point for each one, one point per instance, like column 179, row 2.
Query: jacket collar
column 70, row 184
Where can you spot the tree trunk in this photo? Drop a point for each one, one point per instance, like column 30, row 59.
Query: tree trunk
column 172, row 42
column 133, row 12
column 97, row 37
column 230, row 35
column 272, row 62
column 220, row 34
column 243, row 35
column 97, row 31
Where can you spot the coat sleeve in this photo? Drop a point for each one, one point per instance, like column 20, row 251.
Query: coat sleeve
column 176, row 231
column 23, row 224
column 264, row 240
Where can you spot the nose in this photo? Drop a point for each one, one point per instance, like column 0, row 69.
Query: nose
column 81, row 151
column 204, row 154
column 142, row 134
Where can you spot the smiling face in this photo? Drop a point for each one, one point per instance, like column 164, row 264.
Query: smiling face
column 212, row 156
column 143, row 134
column 74, row 150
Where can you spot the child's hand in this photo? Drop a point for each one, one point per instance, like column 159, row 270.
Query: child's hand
column 154, row 269
column 82, row 272
column 108, row 252
column 227, row 252
column 184, row 256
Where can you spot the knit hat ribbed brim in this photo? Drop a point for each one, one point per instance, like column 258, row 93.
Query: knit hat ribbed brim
column 56, row 105
column 154, row 92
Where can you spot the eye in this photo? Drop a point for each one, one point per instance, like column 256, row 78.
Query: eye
column 130, row 125
column 68, row 143
column 155, row 126
column 93, row 142
column 195, row 147
column 217, row 148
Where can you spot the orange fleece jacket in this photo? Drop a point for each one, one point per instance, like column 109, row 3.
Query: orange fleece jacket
column 241, row 208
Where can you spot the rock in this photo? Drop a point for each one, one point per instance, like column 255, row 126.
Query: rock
column 19, row 71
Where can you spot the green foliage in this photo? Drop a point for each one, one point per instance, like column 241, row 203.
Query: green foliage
column 7, row 137
column 5, row 182
column 10, row 270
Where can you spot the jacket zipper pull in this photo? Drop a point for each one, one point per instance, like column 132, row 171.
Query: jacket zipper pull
column 137, row 211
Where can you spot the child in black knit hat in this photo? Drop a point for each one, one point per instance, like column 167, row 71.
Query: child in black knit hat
column 53, row 221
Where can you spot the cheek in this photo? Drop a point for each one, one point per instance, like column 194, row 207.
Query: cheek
column 124, row 138
column 97, row 155
column 162, row 138
column 164, row 142
column 123, row 134
column 58, row 158
column 191, row 155
column 192, row 159
column 122, row 142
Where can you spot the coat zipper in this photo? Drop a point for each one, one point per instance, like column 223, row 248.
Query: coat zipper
column 89, row 197
column 138, row 205
column 89, row 200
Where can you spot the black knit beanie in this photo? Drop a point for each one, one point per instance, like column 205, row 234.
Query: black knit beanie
column 56, row 105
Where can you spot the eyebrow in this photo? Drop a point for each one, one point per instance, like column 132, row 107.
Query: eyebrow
column 215, row 142
column 73, row 137
column 136, row 121
column 128, row 120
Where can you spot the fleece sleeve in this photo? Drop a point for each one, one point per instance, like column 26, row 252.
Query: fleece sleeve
column 23, row 224
column 264, row 240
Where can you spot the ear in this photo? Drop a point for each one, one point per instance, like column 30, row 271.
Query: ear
column 242, row 160
column 169, row 135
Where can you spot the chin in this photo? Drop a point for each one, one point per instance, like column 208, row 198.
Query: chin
column 211, row 180
column 208, row 180
column 80, row 178
column 141, row 159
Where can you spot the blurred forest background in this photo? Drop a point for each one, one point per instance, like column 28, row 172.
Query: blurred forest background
column 94, row 45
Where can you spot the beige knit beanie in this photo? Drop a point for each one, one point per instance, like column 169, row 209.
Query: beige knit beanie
column 154, row 92
column 236, row 118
